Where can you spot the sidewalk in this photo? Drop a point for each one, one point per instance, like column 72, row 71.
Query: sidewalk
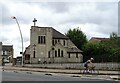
column 67, row 71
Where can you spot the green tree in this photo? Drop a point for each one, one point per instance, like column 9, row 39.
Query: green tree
column 77, row 37
column 115, row 40
column 115, row 43
column 101, row 52
column 114, row 57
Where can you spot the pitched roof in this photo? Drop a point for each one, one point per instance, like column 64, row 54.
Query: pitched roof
column 100, row 39
column 57, row 35
column 74, row 50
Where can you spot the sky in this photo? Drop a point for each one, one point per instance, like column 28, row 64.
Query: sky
column 94, row 18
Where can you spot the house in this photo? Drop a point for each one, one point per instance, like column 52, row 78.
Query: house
column 0, row 53
column 7, row 53
column 48, row 45
column 98, row 40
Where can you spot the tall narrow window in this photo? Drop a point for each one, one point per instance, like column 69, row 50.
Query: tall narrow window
column 53, row 42
column 58, row 40
column 33, row 54
column 76, row 55
column 62, row 53
column 48, row 54
column 64, row 42
column 38, row 39
column 68, row 55
column 44, row 39
column 55, row 53
column 58, row 52
column 41, row 40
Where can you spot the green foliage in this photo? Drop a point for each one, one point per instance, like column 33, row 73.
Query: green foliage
column 108, row 51
column 77, row 37
column 102, row 52
column 114, row 40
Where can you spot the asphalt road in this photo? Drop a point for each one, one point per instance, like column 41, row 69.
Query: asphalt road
column 39, row 76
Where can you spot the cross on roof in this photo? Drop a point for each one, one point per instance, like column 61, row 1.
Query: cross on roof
column 34, row 21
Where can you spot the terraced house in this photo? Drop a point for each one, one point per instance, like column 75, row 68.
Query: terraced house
column 48, row 45
column 6, row 52
column 0, row 53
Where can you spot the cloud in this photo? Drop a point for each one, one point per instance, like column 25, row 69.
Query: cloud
column 94, row 18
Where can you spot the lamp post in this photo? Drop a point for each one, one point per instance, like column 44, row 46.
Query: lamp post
column 21, row 38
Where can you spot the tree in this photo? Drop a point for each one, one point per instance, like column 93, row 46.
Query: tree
column 99, row 51
column 115, row 40
column 77, row 37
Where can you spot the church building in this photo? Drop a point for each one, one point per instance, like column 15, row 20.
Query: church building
column 48, row 45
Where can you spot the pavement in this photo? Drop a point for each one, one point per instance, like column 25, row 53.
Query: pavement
column 114, row 74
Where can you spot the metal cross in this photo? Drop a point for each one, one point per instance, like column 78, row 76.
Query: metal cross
column 34, row 21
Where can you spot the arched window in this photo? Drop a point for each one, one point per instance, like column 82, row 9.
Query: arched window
column 55, row 53
column 58, row 52
column 62, row 53
column 48, row 54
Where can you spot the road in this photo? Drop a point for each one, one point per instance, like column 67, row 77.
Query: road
column 43, row 76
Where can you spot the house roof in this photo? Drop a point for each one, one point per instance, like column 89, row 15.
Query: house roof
column 7, row 47
column 74, row 50
column 99, row 39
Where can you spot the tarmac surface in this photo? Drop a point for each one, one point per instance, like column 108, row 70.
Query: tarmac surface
column 74, row 72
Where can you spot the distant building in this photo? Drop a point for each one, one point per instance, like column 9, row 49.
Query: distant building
column 7, row 53
column 27, row 54
column 19, row 60
column 98, row 40
column 0, row 53
column 48, row 45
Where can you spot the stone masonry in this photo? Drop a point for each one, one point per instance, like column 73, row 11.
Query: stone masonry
column 48, row 45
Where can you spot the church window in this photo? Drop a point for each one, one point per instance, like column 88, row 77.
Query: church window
column 48, row 54
column 41, row 40
column 55, row 41
column 76, row 55
column 33, row 54
column 68, row 55
column 44, row 39
column 64, row 42
column 62, row 53
column 58, row 40
column 58, row 52
column 55, row 53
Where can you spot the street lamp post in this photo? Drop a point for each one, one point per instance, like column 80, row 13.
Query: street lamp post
column 21, row 37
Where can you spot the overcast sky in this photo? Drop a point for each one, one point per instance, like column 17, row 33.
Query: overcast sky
column 95, row 19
